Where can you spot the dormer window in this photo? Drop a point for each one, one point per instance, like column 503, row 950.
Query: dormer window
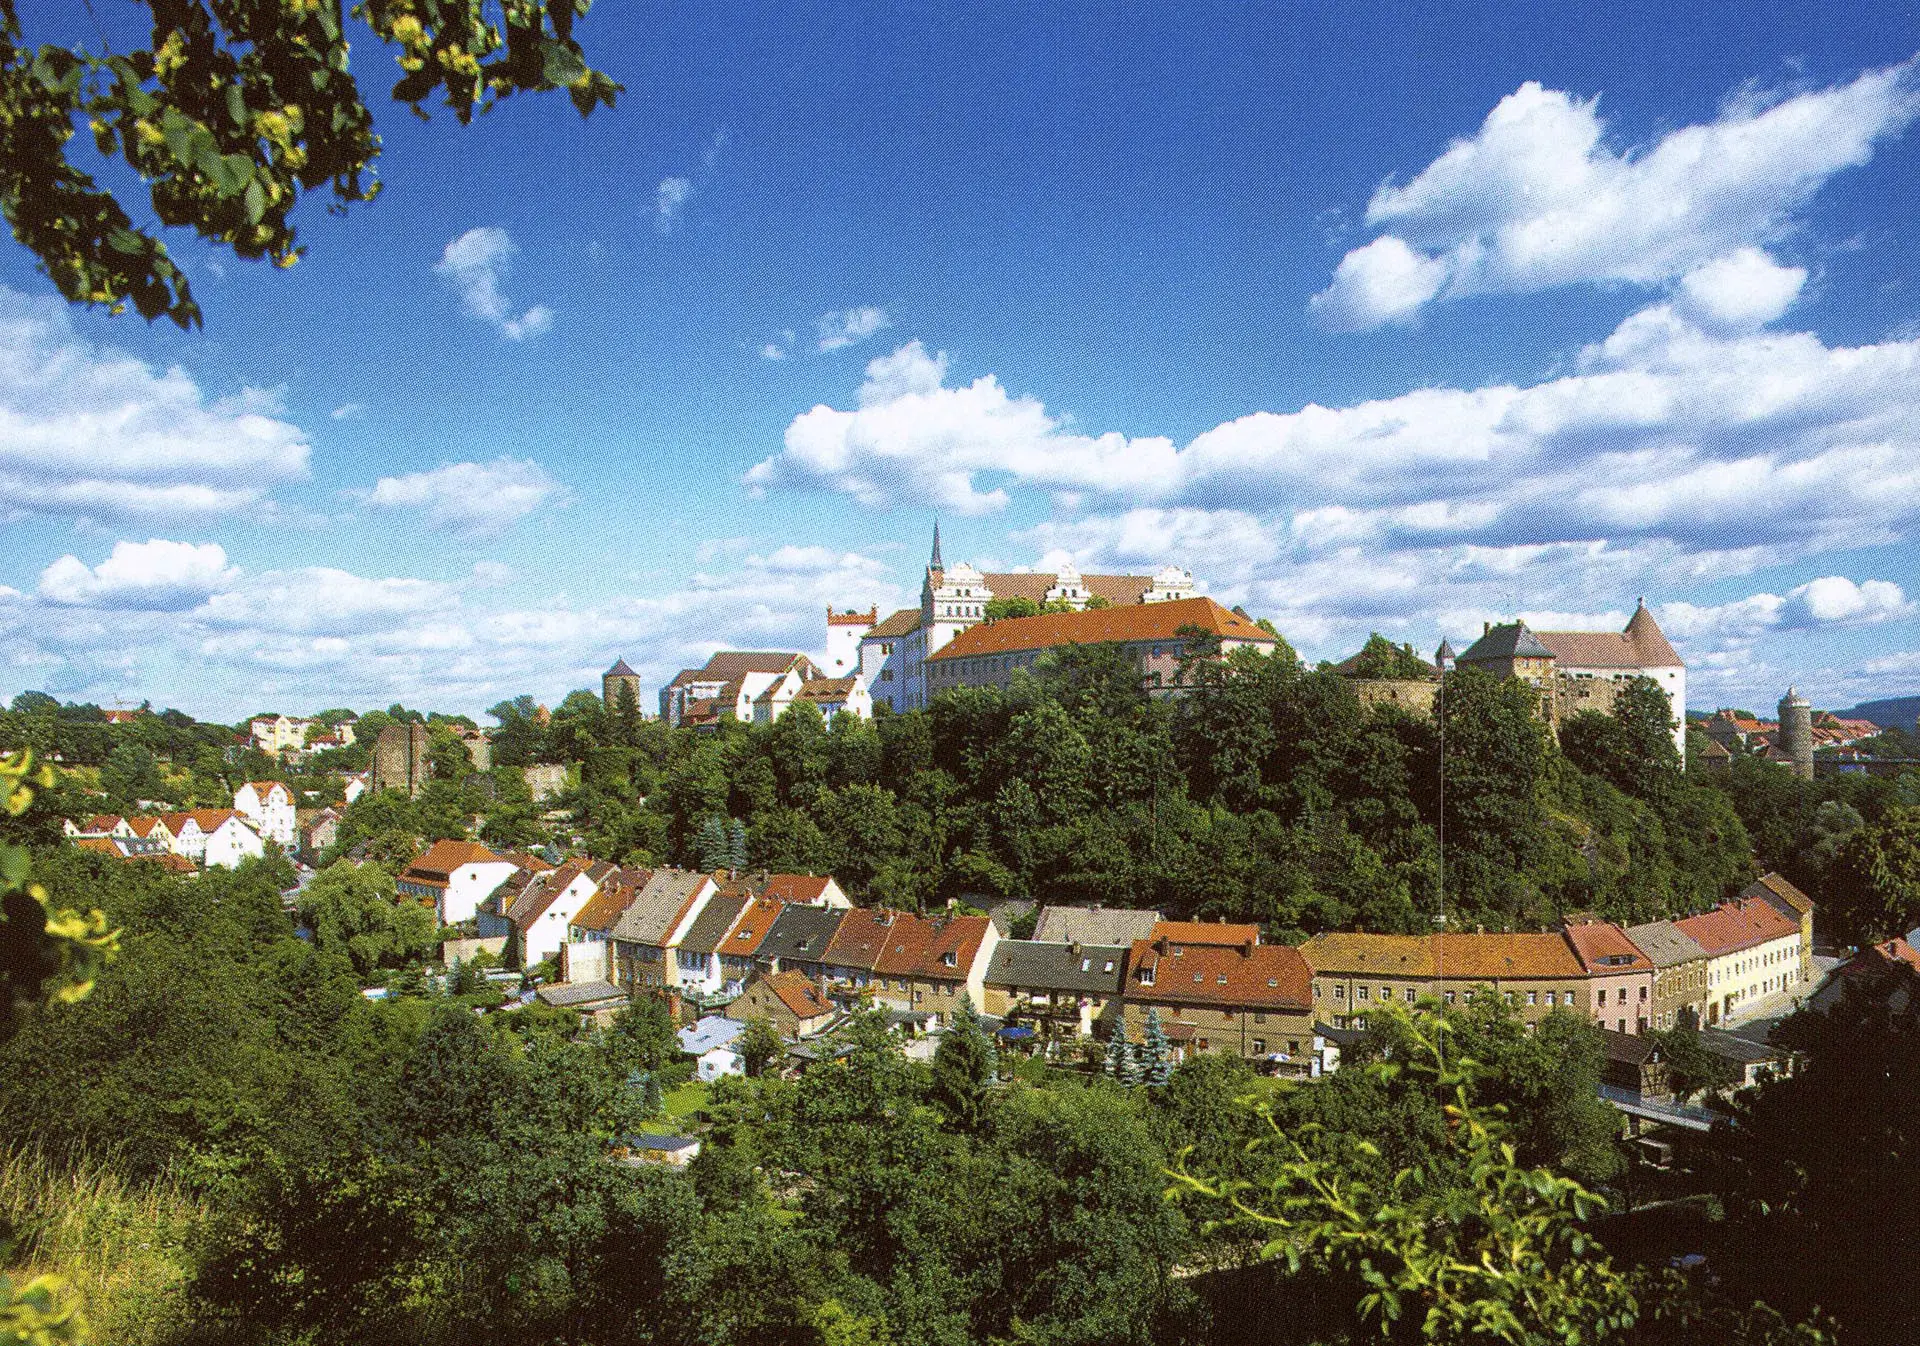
column 1199, row 976
column 950, row 960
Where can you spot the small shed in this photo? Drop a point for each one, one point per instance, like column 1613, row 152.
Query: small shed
column 673, row 1151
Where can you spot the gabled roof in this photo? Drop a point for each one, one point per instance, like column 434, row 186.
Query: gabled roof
column 808, row 888
column 261, row 787
column 1460, row 957
column 1094, row 925
column 1641, row 645
column 1269, row 976
column 620, row 670
column 1603, row 948
column 437, row 863
column 143, row 825
column 659, row 906
column 536, row 897
column 1132, row 622
column 756, row 922
column 826, row 689
column 1117, row 589
column 1775, row 888
column 732, row 665
column 604, row 908
column 801, row 932
column 1026, row 964
column 1665, row 943
column 174, row 822
column 798, row 994
column 710, row 928
column 212, row 820
column 1509, row 640
column 902, row 623
column 1218, row 934
column 955, row 938
column 1897, row 950
column 1736, row 925
column 861, row 936
column 714, row 1030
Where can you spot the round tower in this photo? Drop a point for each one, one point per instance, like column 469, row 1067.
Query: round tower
column 1796, row 734
column 614, row 679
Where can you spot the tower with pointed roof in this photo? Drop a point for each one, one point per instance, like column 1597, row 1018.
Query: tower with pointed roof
column 620, row 675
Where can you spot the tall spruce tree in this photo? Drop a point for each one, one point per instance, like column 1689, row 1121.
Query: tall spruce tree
column 963, row 1068
column 1155, row 1056
column 1119, row 1051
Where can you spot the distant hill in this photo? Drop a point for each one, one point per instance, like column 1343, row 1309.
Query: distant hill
column 1894, row 713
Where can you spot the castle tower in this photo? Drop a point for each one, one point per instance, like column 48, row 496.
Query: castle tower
column 613, row 680
column 1796, row 734
column 934, row 562
column 844, row 633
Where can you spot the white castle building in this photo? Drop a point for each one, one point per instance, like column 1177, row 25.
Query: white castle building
column 890, row 655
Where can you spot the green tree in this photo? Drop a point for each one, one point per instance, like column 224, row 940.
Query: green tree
column 1381, row 658
column 1154, row 1053
column 1119, row 1051
column 963, row 1069
column 1874, row 888
column 230, row 116
column 353, row 911
column 759, row 1046
column 1691, row 1067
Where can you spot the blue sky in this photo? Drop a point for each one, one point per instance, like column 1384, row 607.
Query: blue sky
column 1389, row 319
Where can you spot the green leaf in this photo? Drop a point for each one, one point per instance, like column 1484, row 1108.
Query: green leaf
column 256, row 202
column 233, row 173
column 560, row 63
column 236, row 105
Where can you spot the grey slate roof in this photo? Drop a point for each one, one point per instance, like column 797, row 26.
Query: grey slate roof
column 1029, row 965
column 1664, row 943
column 1094, row 925
column 1511, row 640
column 710, row 927
column 713, row 1031
column 650, row 919
column 620, row 670
column 800, row 934
column 572, row 995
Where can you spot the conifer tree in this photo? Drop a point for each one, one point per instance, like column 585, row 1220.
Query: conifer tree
column 1119, row 1051
column 963, row 1068
column 1154, row 1053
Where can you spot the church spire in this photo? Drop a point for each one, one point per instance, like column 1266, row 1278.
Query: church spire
column 934, row 562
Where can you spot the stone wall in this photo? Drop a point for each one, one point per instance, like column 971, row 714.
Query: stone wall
column 1416, row 695
column 400, row 759
column 545, row 781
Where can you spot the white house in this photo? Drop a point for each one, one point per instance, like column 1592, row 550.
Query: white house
column 712, row 1042
column 454, row 876
column 269, row 809
column 544, row 911
column 356, row 785
column 214, row 838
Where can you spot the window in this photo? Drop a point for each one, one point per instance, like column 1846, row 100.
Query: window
column 1259, row 1046
column 1109, row 966
column 1449, row 997
column 1408, row 995
column 1530, row 997
column 1643, row 993
column 1340, row 993
column 1361, row 991
column 1259, row 1016
column 1509, row 997
column 1386, row 994
column 1552, row 998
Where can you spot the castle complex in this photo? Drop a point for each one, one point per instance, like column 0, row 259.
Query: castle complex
column 890, row 656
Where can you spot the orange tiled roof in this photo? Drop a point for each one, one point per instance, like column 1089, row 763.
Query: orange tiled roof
column 1205, row 932
column 439, row 860
column 143, row 825
column 860, row 938
column 1603, row 947
column 1776, row 888
column 755, row 921
column 1461, row 957
column 955, row 937
column 1897, row 950
column 805, row 888
column 1641, row 645
column 1115, row 589
column 212, row 820
column 798, row 994
column 605, row 907
column 1735, row 925
column 1137, row 621
column 1269, row 976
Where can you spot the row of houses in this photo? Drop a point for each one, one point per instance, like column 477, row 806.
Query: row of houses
column 793, row 947
column 210, row 838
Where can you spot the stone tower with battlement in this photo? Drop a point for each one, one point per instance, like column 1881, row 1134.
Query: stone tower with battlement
column 1796, row 734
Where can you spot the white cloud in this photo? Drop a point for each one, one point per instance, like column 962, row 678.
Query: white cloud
column 474, row 266
column 348, row 411
column 157, row 576
column 1741, row 291
column 475, row 500
column 87, row 431
column 670, row 198
column 844, row 327
column 914, row 440
column 1538, row 199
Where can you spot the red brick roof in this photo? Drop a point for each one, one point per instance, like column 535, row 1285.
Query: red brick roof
column 437, row 863
column 955, row 937
column 1460, row 957
column 1641, row 645
column 805, row 888
column 1603, row 948
column 798, row 994
column 1262, row 976
column 1133, row 622
column 860, row 938
column 1735, row 925
column 1897, row 950
column 752, row 928
column 1205, row 932
column 605, row 907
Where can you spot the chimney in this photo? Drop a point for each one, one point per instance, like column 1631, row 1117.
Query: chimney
column 1074, row 948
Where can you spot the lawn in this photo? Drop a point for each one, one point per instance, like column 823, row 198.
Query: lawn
column 682, row 1103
